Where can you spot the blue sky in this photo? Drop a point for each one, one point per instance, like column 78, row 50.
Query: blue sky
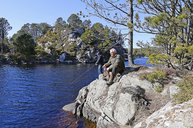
column 20, row 12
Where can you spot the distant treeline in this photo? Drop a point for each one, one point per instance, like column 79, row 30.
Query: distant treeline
column 41, row 42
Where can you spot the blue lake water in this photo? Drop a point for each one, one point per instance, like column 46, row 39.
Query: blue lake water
column 141, row 61
column 33, row 97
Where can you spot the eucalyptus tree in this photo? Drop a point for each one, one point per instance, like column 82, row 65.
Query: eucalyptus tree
column 4, row 28
column 118, row 12
column 172, row 22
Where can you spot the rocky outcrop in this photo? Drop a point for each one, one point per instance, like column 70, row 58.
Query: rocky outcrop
column 170, row 116
column 111, row 105
column 126, row 103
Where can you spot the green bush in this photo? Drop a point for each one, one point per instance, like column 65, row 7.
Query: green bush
column 16, row 58
column 158, row 58
column 159, row 89
column 2, row 59
column 155, row 76
column 186, row 90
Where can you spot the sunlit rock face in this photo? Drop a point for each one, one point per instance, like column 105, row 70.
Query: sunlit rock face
column 113, row 105
column 170, row 116
column 130, row 103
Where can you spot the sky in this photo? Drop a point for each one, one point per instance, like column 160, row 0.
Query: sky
column 20, row 12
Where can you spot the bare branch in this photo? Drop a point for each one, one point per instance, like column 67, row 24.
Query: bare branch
column 117, row 7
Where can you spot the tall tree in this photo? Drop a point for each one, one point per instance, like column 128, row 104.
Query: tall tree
column 171, row 21
column 99, row 36
column 4, row 28
column 130, row 25
column 25, row 29
column 60, row 28
column 74, row 21
column 25, row 46
column 44, row 27
column 118, row 12
column 34, row 29
column 60, row 24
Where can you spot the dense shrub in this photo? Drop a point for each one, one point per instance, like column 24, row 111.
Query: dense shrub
column 2, row 59
column 159, row 88
column 186, row 90
column 155, row 76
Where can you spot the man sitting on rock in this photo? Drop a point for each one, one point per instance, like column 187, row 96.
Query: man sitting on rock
column 114, row 66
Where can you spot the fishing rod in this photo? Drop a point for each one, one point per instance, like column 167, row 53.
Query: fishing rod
column 78, row 78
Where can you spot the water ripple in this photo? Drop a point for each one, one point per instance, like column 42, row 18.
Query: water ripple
column 34, row 96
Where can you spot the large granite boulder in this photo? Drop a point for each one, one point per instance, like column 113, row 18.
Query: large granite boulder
column 170, row 116
column 113, row 105
column 131, row 103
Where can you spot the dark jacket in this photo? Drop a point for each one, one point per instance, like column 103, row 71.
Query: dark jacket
column 116, row 62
